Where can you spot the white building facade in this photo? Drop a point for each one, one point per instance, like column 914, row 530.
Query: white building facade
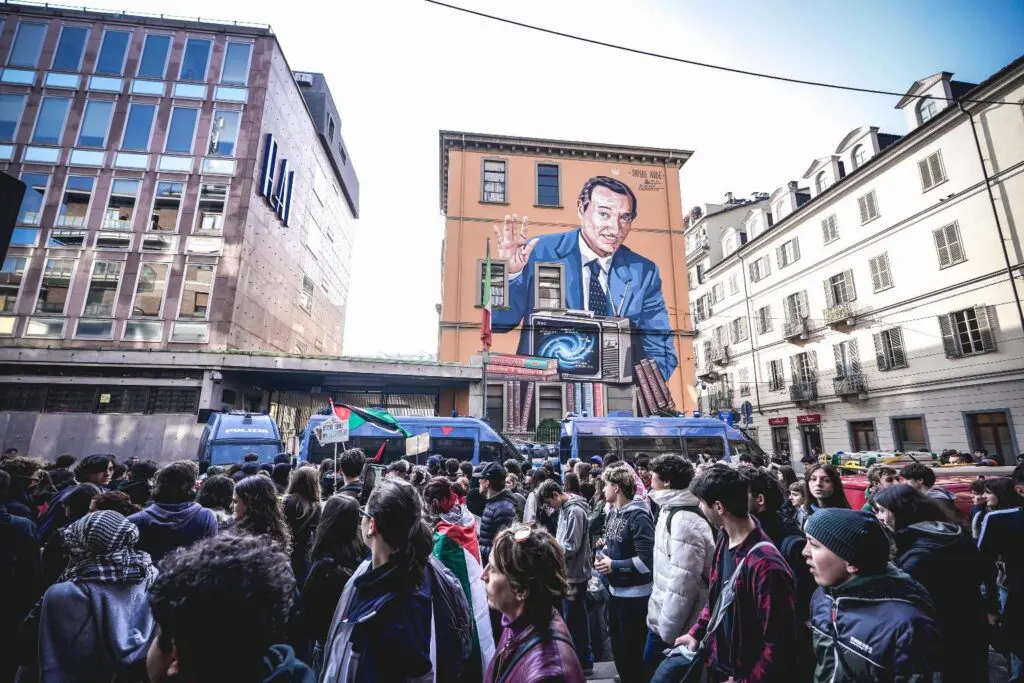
column 879, row 308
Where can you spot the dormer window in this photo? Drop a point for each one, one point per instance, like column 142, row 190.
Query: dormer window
column 859, row 156
column 927, row 109
column 778, row 212
column 728, row 244
column 820, row 182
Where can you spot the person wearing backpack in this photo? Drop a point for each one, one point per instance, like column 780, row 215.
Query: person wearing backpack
column 747, row 630
column 684, row 548
column 527, row 581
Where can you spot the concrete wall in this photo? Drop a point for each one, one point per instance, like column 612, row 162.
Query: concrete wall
column 162, row 438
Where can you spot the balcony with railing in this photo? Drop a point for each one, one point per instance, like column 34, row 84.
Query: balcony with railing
column 707, row 373
column 697, row 246
column 850, row 385
column 841, row 315
column 804, row 391
column 720, row 354
column 796, row 330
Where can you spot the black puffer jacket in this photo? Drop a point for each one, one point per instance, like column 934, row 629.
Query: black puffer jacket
column 499, row 513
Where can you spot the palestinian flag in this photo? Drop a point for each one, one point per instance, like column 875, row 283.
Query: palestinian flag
column 456, row 546
column 359, row 416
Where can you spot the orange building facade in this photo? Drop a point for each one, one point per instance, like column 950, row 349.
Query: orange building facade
column 588, row 282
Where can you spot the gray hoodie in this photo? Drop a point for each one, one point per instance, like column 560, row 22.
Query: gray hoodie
column 573, row 533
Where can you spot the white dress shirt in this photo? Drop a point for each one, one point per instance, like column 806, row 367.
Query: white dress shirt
column 586, row 256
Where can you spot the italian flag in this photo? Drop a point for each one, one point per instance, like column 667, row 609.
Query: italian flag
column 485, row 327
column 456, row 546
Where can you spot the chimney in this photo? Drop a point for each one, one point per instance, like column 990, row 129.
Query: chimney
column 728, row 198
column 791, row 184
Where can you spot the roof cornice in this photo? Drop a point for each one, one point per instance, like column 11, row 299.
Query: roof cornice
column 505, row 144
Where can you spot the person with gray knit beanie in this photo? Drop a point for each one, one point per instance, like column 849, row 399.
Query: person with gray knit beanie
column 870, row 621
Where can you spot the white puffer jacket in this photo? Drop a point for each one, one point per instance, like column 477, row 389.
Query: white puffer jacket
column 683, row 556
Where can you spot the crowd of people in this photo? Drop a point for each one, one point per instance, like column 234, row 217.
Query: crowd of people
column 676, row 570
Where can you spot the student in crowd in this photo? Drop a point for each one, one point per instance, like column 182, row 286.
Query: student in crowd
column 54, row 560
column 231, row 629
column 95, row 623
column 381, row 629
column 139, row 485
column 1000, row 540
column 302, row 512
column 941, row 556
column 571, row 484
column 434, row 463
column 684, row 548
column 979, row 506
column 754, row 637
column 456, row 546
column 526, row 582
column 538, row 476
column 114, row 500
column 825, row 487
column 879, row 477
column 512, row 485
column 328, row 478
column 922, row 478
column 451, row 468
column 19, row 565
column 627, row 566
column 499, row 509
column 257, row 511
column 573, row 534
column 337, row 552
column 23, row 477
column 885, row 620
column 1001, row 494
column 400, row 469
column 174, row 520
column 351, row 464
column 280, row 474
column 215, row 494
column 92, row 469
column 800, row 500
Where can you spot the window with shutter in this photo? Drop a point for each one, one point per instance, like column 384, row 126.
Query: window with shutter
column 805, row 309
column 829, row 231
column 931, row 170
column 862, row 204
column 949, row 344
column 985, row 317
column 851, row 289
column 880, row 357
column 837, row 352
column 868, row 206
column 872, row 204
column 926, row 174
column 897, row 357
column 949, row 246
column 881, row 276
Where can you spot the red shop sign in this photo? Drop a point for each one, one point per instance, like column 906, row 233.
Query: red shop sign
column 808, row 419
column 778, row 421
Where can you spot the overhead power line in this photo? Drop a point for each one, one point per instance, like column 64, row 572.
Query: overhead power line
column 692, row 62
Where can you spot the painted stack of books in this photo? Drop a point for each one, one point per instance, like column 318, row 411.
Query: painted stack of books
column 585, row 397
column 652, row 394
column 521, row 374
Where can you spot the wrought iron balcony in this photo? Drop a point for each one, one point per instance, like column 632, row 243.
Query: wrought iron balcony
column 707, row 373
column 803, row 392
column 840, row 315
column 720, row 354
column 795, row 329
column 851, row 384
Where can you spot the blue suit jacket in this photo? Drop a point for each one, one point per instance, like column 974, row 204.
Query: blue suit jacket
column 633, row 282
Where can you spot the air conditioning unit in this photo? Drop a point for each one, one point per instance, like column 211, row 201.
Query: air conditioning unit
column 586, row 347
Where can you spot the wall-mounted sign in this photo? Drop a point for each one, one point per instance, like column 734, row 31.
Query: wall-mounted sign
column 808, row 419
column 778, row 421
column 278, row 194
column 725, row 416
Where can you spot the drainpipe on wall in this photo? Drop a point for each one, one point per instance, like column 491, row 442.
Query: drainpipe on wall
column 995, row 214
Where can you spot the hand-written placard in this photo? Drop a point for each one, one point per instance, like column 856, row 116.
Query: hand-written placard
column 331, row 430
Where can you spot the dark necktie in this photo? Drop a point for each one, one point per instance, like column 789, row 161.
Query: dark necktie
column 598, row 302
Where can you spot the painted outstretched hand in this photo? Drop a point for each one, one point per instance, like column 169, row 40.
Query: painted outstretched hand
column 514, row 246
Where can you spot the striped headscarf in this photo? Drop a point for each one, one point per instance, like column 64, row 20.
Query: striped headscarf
column 101, row 547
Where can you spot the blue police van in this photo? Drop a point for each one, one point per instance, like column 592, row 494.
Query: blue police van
column 229, row 436
column 585, row 437
column 463, row 438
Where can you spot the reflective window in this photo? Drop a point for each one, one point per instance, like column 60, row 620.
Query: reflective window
column 166, row 206
column 11, row 275
column 50, row 121
column 56, row 284
column 121, row 207
column 195, row 295
column 74, row 206
column 112, row 51
column 154, row 56
column 224, row 134
column 27, row 42
column 70, row 48
column 95, row 123
column 236, row 63
column 195, row 59
column 149, row 292
column 114, row 240
column 32, row 204
column 11, row 106
column 66, row 239
column 102, row 295
column 24, row 237
column 210, row 212
column 138, row 127
column 182, row 130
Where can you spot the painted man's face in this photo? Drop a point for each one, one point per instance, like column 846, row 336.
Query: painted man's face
column 606, row 220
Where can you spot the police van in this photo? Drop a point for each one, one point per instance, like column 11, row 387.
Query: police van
column 229, row 436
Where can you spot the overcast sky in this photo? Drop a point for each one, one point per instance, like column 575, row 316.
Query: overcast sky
column 400, row 70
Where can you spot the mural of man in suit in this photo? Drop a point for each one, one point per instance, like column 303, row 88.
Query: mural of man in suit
column 601, row 275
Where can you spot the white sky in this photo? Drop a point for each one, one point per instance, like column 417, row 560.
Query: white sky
column 400, row 70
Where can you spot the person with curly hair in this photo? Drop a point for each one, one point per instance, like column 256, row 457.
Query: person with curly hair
column 24, row 476
column 215, row 495
column 174, row 520
column 257, row 511
column 302, row 512
column 114, row 500
column 221, row 609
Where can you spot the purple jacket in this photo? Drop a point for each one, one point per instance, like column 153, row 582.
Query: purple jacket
column 553, row 660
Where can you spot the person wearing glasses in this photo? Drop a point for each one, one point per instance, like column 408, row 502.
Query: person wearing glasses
column 526, row 582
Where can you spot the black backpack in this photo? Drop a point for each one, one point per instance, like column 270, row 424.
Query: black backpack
column 453, row 622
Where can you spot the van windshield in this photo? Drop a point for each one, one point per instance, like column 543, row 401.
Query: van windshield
column 230, row 453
